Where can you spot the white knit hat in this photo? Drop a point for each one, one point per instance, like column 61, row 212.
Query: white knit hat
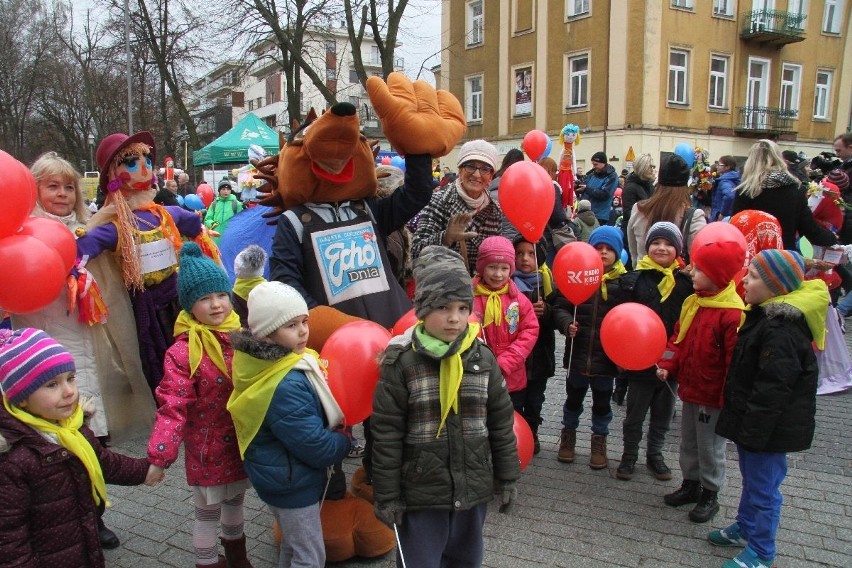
column 271, row 305
column 479, row 150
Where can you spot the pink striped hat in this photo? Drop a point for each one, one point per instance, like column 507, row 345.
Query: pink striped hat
column 29, row 358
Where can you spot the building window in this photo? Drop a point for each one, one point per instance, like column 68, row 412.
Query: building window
column 822, row 93
column 798, row 8
column 375, row 56
column 578, row 81
column 353, row 76
column 578, row 7
column 523, row 91
column 475, row 30
column 831, row 16
column 474, row 99
column 330, row 46
column 723, row 8
column 678, row 68
column 791, row 81
column 251, row 105
column 270, row 122
column 718, row 86
column 259, row 102
column 330, row 74
column 687, row 4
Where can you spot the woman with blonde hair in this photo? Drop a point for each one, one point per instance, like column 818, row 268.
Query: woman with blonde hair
column 638, row 186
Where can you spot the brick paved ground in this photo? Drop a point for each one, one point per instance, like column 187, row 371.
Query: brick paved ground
column 567, row 514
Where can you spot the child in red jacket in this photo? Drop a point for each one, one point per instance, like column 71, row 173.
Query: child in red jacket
column 698, row 357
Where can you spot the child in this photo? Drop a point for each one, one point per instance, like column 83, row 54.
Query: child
column 509, row 323
column 191, row 397
column 585, row 220
column 698, row 356
column 442, row 424
column 535, row 281
column 770, row 395
column 659, row 284
column 52, row 468
column 590, row 367
column 283, row 409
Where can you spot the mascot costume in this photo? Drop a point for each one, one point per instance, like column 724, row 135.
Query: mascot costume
column 568, row 136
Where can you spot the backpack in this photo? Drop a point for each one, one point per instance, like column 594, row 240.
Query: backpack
column 233, row 206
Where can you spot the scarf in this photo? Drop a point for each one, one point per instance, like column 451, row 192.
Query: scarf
column 68, row 434
column 202, row 340
column 530, row 281
column 242, row 286
column 451, row 370
column 725, row 298
column 493, row 306
column 474, row 203
column 812, row 300
column 255, row 381
column 615, row 272
column 667, row 284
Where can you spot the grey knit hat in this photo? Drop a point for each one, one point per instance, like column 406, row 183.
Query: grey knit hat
column 667, row 231
column 440, row 277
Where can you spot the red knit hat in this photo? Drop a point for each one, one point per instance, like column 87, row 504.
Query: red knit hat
column 720, row 260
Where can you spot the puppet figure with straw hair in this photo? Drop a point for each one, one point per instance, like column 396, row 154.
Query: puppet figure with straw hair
column 568, row 136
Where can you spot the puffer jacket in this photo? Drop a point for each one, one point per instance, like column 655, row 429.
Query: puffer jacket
column 192, row 410
column 586, row 222
column 724, row 193
column 770, row 395
column 49, row 517
column 287, row 459
column 600, row 187
column 513, row 340
column 453, row 470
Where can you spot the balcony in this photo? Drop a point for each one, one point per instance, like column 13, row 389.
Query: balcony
column 773, row 27
column 760, row 121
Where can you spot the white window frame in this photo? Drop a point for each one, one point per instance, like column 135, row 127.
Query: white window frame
column 475, row 28
column 576, row 8
column 822, row 94
column 473, row 99
column 724, row 8
column 718, row 83
column 582, row 82
column 791, row 89
column 799, row 7
column 684, row 4
column 678, row 73
column 832, row 16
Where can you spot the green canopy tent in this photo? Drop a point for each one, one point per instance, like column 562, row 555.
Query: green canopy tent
column 232, row 146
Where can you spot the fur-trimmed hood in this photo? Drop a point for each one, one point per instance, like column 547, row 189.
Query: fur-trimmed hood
column 782, row 310
column 243, row 340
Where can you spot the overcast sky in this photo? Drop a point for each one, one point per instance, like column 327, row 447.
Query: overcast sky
column 421, row 37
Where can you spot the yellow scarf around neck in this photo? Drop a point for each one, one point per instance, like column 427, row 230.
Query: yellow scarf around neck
column 493, row 306
column 68, row 433
column 725, row 298
column 616, row 271
column 202, row 340
column 242, row 286
column 667, row 284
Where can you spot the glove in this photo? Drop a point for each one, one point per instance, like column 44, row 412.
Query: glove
column 508, row 493
column 390, row 513
column 456, row 226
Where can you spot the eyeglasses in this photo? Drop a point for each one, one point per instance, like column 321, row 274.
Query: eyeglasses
column 484, row 170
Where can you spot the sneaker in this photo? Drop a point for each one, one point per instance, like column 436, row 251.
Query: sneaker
column 357, row 450
column 567, row 441
column 626, row 468
column 729, row 536
column 748, row 559
column 658, row 467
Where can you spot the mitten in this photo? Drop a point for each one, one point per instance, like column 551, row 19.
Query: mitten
column 390, row 513
column 508, row 493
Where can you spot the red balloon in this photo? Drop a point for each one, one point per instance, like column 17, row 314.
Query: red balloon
column 34, row 276
column 55, row 235
column 405, row 321
column 718, row 232
column 352, row 352
column 18, row 192
column 524, row 435
column 633, row 336
column 534, row 144
column 205, row 192
column 526, row 196
column 578, row 270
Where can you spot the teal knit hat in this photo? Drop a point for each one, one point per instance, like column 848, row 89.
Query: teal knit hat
column 198, row 276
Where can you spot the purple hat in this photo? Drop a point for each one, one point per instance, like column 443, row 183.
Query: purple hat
column 112, row 145
column 29, row 358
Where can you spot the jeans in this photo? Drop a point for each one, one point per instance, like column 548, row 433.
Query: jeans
column 759, row 512
column 576, row 387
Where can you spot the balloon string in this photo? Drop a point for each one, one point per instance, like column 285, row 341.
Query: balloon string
column 571, row 350
column 674, row 394
column 399, row 544
column 537, row 272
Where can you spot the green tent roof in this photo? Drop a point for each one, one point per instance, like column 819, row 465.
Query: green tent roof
column 233, row 145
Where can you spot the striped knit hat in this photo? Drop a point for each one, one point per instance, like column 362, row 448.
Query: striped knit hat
column 667, row 231
column 29, row 358
column 781, row 270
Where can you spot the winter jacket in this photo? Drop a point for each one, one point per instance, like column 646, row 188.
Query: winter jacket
column 701, row 361
column 723, row 195
column 635, row 190
column 49, row 516
column 541, row 364
column 789, row 205
column 191, row 409
column 586, row 223
column 600, row 187
column 220, row 212
column 287, row 459
column 770, row 395
column 456, row 469
column 514, row 338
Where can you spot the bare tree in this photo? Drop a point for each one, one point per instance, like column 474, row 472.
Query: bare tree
column 383, row 19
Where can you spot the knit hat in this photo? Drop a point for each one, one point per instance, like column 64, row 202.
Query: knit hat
column 599, row 157
column 250, row 262
column 225, row 182
column 720, row 260
column 791, row 156
column 29, row 358
column 440, row 277
column 839, row 178
column 198, row 276
column 495, row 249
column 781, row 270
column 673, row 172
column 584, row 205
column 271, row 305
column 667, row 231
column 479, row 150
column 609, row 236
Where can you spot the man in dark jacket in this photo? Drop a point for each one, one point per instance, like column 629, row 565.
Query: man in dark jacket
column 601, row 184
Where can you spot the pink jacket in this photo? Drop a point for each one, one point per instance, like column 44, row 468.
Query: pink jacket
column 192, row 409
column 513, row 340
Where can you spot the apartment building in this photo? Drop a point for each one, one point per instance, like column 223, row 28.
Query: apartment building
column 649, row 74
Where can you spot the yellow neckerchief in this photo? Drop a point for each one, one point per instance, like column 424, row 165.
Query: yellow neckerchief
column 667, row 284
column 546, row 279
column 812, row 300
column 68, row 433
column 613, row 273
column 255, row 381
column 725, row 298
column 242, row 286
column 493, row 306
column 451, row 370
column 202, row 340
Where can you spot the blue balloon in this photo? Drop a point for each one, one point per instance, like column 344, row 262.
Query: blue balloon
column 547, row 148
column 687, row 152
column 180, row 200
column 624, row 256
column 398, row 162
column 193, row 202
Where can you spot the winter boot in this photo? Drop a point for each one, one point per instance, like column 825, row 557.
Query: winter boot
column 567, row 442
column 536, row 443
column 706, row 508
column 689, row 492
column 658, row 467
column 626, row 468
column 598, row 459
column 108, row 538
column 235, row 553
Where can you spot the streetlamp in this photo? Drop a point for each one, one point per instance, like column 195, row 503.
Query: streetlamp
column 92, row 150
